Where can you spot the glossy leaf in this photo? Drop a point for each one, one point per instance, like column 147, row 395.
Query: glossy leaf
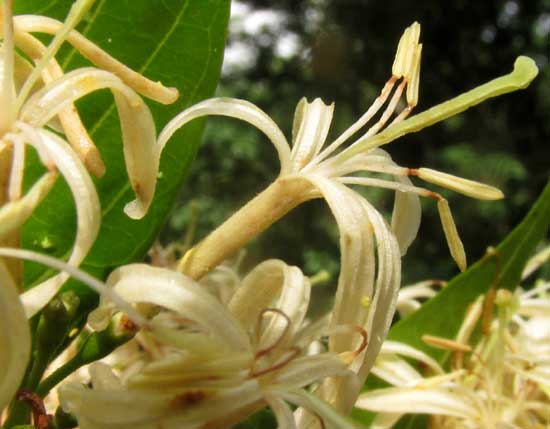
column 179, row 42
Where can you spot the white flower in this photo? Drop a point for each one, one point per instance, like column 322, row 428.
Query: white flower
column 37, row 98
column 206, row 363
column 371, row 250
column 501, row 380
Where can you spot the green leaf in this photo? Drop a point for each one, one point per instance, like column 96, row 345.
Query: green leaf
column 442, row 315
column 179, row 42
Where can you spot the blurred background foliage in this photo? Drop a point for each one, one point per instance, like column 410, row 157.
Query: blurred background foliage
column 342, row 51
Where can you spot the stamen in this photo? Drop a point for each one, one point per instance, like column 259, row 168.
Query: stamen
column 279, row 340
column 361, row 122
column 7, row 91
column 80, row 275
column 387, row 184
column 489, row 302
column 525, row 70
column 451, row 234
column 348, row 357
column 78, row 9
column 294, row 353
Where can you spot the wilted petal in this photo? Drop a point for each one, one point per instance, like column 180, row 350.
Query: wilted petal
column 283, row 412
column 309, row 131
column 436, row 400
column 15, row 338
column 141, row 152
column 150, row 89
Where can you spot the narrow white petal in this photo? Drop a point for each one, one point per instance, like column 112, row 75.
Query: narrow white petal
column 15, row 213
column 305, row 370
column 311, row 126
column 15, row 338
column 87, row 210
column 293, row 302
column 172, row 290
column 257, row 291
column 356, row 280
column 331, row 418
column 435, row 400
column 234, row 108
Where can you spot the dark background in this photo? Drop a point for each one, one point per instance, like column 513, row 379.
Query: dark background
column 343, row 52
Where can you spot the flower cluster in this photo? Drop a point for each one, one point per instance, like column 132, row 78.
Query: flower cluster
column 498, row 380
column 210, row 360
column 37, row 110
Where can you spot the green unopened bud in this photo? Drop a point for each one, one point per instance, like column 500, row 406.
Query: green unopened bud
column 52, row 330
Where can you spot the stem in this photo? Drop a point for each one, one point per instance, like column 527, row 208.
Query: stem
column 255, row 217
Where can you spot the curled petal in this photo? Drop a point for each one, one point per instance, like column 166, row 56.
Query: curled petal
column 392, row 347
column 310, row 130
column 172, row 290
column 150, row 89
column 138, row 129
column 356, row 281
column 15, row 338
column 235, row 108
column 68, row 121
column 15, row 213
column 271, row 281
column 87, row 210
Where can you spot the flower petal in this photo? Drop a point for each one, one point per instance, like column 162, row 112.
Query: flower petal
column 87, row 210
column 15, row 338
column 235, row 108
